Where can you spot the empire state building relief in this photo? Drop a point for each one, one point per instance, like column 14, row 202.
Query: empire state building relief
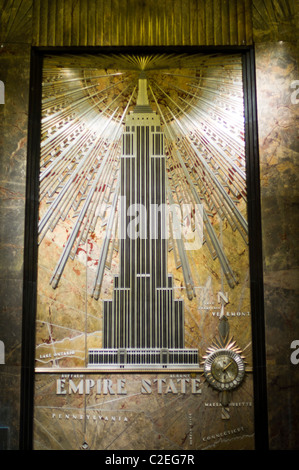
column 143, row 239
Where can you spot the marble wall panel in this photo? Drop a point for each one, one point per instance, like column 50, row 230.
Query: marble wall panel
column 278, row 111
column 15, row 61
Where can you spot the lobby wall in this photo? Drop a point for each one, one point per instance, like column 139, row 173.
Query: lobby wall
column 271, row 28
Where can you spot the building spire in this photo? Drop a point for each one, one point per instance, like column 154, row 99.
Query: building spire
column 142, row 99
column 142, row 105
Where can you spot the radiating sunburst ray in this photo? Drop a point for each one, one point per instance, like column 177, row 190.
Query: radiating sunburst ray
column 84, row 104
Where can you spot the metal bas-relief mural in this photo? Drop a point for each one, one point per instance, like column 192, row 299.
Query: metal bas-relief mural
column 143, row 329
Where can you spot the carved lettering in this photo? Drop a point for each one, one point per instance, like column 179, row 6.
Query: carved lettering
column 181, row 385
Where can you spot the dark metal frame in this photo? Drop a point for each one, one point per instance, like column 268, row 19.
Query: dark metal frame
column 255, row 253
column 254, row 222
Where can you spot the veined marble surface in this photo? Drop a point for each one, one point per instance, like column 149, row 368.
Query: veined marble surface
column 278, row 111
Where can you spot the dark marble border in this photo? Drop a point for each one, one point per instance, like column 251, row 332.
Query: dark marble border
column 30, row 250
